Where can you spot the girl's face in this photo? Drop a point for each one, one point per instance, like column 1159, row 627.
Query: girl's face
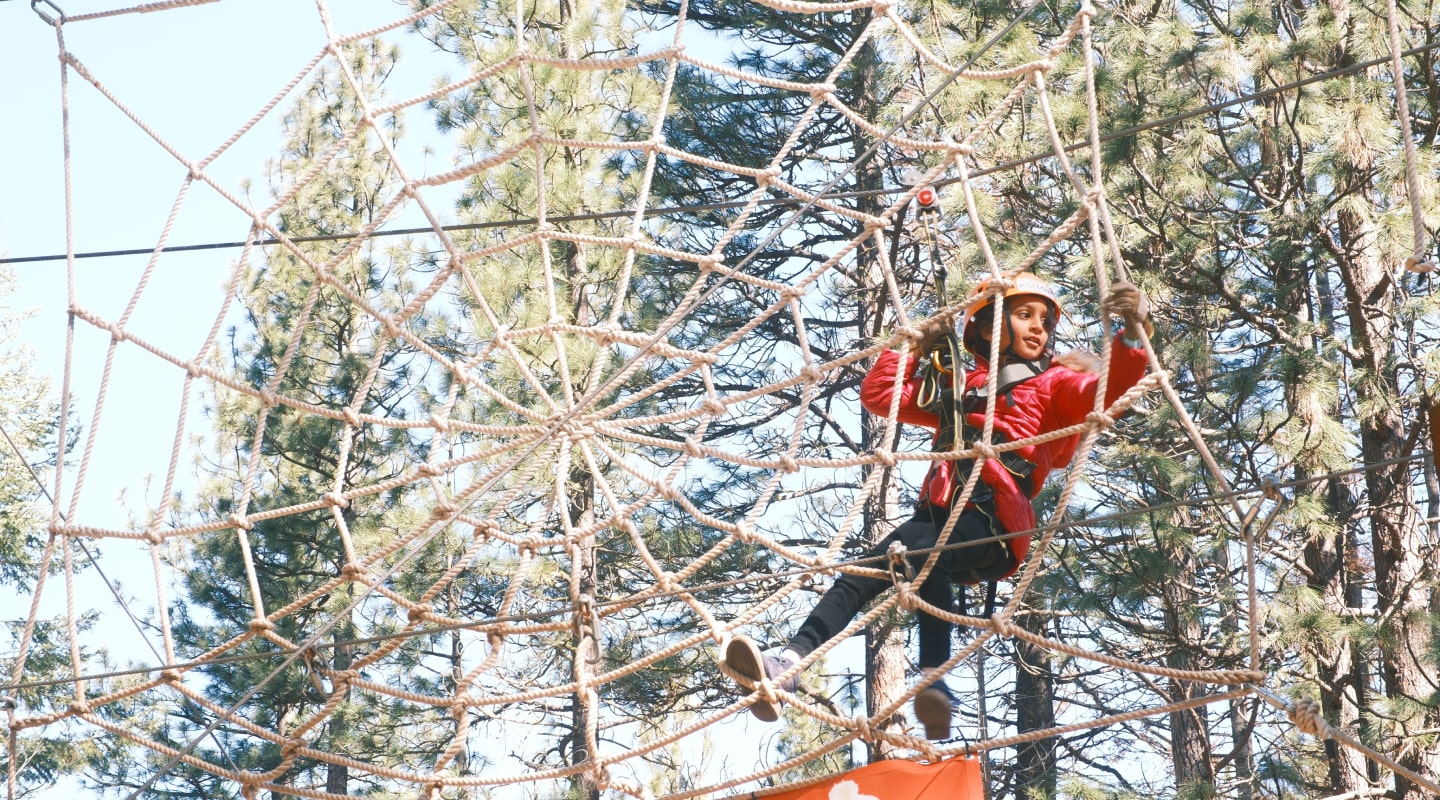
column 1031, row 321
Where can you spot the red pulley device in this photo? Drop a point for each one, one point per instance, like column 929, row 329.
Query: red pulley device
column 926, row 197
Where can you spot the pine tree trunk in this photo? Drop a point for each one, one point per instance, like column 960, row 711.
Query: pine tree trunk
column 1403, row 570
column 1335, row 669
column 1035, row 776
column 885, row 659
column 1190, row 751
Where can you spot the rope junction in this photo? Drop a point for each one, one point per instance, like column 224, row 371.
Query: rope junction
column 579, row 414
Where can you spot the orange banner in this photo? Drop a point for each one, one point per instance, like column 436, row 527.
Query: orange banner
column 951, row 779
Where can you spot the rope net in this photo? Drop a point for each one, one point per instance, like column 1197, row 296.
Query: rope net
column 558, row 459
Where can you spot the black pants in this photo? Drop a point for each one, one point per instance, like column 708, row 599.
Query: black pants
column 974, row 564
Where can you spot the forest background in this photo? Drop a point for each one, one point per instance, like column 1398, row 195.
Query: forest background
column 1268, row 228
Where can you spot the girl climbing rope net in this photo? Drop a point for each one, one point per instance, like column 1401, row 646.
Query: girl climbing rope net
column 1024, row 391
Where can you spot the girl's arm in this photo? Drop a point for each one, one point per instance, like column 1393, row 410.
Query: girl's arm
column 879, row 383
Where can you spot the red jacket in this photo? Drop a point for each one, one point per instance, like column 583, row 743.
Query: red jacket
column 1057, row 398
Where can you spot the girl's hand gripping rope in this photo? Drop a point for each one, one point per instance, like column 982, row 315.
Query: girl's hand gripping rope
column 1126, row 301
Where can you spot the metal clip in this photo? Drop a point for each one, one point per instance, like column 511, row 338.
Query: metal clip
column 35, row 6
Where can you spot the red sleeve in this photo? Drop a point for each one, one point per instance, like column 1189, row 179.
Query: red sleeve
column 875, row 390
column 1127, row 367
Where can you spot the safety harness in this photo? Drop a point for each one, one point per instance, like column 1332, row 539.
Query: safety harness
column 942, row 392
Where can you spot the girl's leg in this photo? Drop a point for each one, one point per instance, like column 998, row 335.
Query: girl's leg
column 844, row 599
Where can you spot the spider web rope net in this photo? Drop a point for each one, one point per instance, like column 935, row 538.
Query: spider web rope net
column 542, row 399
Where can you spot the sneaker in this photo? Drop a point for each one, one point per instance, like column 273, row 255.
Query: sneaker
column 749, row 665
column 933, row 707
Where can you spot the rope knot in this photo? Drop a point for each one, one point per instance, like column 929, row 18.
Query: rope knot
column 906, row 594
column 861, row 726
column 962, row 148
column 291, row 747
column 986, row 451
column 269, row 398
column 442, row 510
column 812, row 373
column 351, row 417
column 606, row 334
column 1099, row 420
column 744, row 532
column 240, row 521
column 154, row 537
column 418, row 613
column 427, row 470
column 693, row 448
column 885, row 457
column 335, row 500
column 715, row 407
column 788, row 464
column 170, row 675
column 440, row 423
column 1002, row 625
column 459, row 712
column 1308, row 716
column 79, row 707
column 352, row 572
column 260, row 626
